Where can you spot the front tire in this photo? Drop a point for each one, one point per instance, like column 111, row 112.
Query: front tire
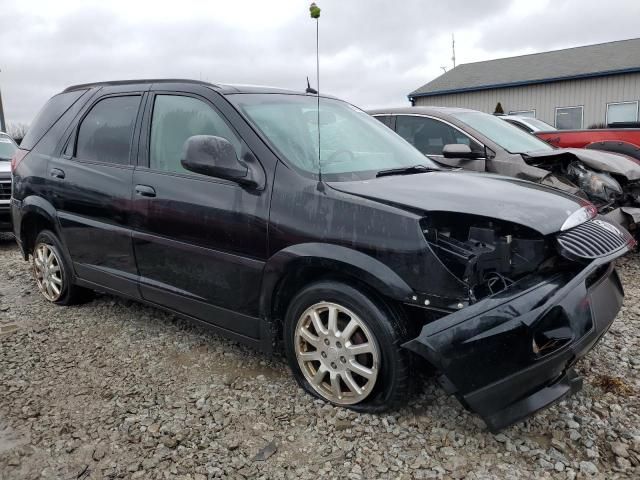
column 343, row 346
column 52, row 271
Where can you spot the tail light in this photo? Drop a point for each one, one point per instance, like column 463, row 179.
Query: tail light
column 17, row 158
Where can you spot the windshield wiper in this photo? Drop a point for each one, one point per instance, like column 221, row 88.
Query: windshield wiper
column 406, row 170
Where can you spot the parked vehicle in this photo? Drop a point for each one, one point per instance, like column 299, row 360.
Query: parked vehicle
column 208, row 201
column 7, row 149
column 528, row 124
column 478, row 141
column 617, row 140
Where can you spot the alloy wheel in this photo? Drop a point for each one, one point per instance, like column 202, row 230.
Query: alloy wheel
column 337, row 353
column 47, row 272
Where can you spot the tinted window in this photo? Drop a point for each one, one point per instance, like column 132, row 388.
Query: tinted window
column 105, row 133
column 430, row 136
column 175, row 119
column 385, row 119
column 50, row 113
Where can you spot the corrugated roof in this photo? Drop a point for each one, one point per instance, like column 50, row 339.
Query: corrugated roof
column 570, row 63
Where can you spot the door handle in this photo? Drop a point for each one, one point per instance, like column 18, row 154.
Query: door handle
column 57, row 173
column 145, row 191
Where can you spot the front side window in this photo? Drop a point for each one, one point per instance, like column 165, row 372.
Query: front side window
column 569, row 118
column 175, row 119
column 429, row 135
column 622, row 112
column 353, row 144
column 502, row 133
column 106, row 133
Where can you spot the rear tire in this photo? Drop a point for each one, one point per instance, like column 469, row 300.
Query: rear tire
column 53, row 273
column 344, row 347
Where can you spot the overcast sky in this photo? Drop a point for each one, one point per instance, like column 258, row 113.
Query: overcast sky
column 372, row 52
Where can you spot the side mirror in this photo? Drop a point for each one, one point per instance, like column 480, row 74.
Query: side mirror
column 215, row 157
column 459, row 150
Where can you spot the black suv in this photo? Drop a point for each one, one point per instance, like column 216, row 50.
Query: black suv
column 210, row 201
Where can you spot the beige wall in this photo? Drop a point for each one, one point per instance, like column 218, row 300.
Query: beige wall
column 592, row 93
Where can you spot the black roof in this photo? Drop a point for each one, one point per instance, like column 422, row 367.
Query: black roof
column 220, row 87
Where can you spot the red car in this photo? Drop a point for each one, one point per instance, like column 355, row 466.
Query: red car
column 619, row 140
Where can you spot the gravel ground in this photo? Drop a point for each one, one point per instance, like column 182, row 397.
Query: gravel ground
column 114, row 389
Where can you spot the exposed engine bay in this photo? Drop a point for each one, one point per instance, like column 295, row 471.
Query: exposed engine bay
column 486, row 254
column 607, row 188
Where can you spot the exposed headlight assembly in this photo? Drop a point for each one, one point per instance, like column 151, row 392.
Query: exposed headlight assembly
column 581, row 215
column 601, row 186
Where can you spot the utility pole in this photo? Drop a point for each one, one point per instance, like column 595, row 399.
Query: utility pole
column 453, row 49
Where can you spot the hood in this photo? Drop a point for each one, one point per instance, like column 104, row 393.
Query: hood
column 518, row 201
column 5, row 166
column 598, row 160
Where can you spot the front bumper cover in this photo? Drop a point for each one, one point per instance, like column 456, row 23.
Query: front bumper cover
column 512, row 354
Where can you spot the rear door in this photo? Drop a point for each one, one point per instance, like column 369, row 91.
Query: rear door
column 91, row 189
column 200, row 242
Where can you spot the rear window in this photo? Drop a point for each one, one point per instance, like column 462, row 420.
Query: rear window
column 49, row 115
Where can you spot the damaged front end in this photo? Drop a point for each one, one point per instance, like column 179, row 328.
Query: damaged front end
column 610, row 181
column 537, row 304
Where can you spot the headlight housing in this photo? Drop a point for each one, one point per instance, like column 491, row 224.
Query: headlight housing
column 581, row 215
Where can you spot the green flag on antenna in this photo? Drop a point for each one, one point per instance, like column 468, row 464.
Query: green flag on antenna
column 315, row 10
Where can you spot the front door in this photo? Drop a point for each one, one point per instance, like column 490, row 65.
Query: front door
column 430, row 135
column 200, row 242
column 91, row 190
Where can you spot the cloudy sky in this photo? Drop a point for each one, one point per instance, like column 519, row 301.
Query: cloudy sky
column 372, row 52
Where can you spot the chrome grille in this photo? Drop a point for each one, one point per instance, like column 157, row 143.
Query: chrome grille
column 593, row 239
column 5, row 189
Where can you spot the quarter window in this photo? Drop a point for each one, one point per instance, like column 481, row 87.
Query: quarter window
column 568, row 118
column 175, row 119
column 429, row 135
column 106, row 132
column 622, row 112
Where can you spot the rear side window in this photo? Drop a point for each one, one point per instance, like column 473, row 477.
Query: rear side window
column 105, row 134
column 48, row 116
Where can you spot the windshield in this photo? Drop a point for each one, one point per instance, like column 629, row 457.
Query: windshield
column 508, row 136
column 7, row 148
column 353, row 145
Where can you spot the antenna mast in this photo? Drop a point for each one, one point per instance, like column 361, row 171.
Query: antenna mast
column 315, row 14
column 453, row 49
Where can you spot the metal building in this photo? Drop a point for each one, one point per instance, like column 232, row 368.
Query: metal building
column 571, row 88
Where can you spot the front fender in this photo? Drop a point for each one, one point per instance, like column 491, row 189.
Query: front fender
column 334, row 258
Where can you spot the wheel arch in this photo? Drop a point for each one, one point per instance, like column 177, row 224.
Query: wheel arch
column 289, row 270
column 36, row 215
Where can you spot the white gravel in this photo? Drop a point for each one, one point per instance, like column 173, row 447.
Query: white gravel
column 114, row 389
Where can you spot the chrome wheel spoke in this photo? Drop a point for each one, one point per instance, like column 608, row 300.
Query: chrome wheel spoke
column 350, row 329
column 332, row 324
column 319, row 375
column 351, row 383
column 309, row 337
column 309, row 356
column 335, row 385
column 359, row 349
column 360, row 369
column 317, row 323
column 54, row 288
